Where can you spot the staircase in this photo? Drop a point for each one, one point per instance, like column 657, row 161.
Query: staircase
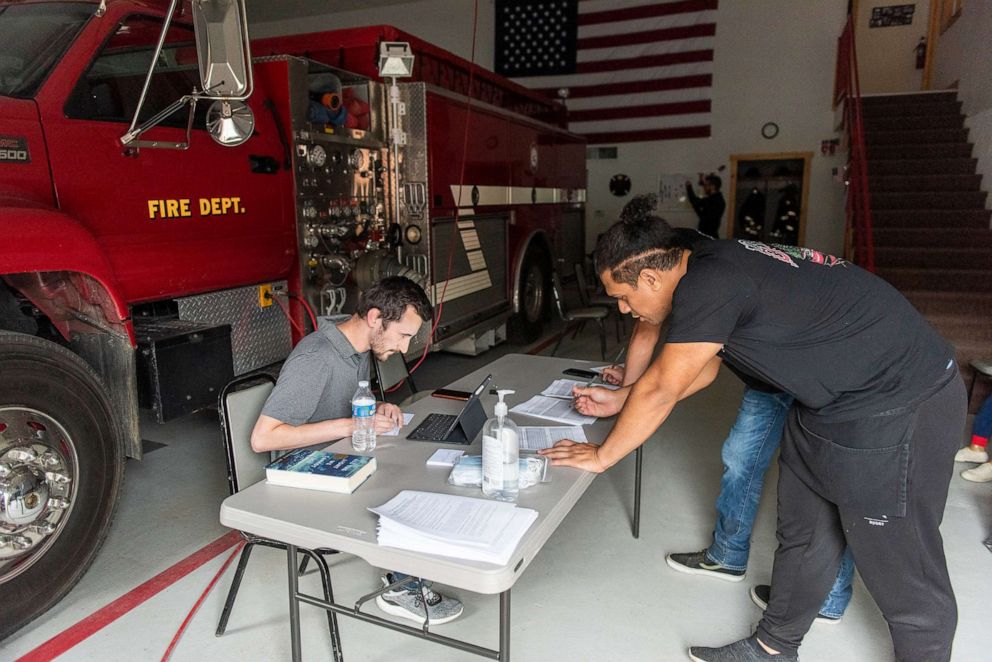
column 931, row 229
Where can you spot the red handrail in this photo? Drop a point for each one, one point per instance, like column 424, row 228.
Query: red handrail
column 859, row 244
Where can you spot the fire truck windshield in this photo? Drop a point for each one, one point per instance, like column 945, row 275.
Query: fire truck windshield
column 32, row 40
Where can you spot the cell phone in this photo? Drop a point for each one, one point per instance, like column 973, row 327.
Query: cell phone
column 449, row 394
column 576, row 372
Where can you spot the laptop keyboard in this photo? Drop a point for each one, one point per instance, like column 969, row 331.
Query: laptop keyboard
column 434, row 427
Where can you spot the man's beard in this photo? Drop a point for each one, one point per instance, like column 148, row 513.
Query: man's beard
column 378, row 346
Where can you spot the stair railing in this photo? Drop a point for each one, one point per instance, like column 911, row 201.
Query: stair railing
column 859, row 246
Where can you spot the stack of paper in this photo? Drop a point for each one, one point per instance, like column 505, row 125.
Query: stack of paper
column 553, row 409
column 451, row 525
column 538, row 438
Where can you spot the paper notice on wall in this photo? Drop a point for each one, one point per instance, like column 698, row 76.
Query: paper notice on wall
column 671, row 191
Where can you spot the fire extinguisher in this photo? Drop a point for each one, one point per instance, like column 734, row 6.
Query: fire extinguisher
column 921, row 53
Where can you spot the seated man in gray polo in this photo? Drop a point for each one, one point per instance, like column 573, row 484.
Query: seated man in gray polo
column 311, row 403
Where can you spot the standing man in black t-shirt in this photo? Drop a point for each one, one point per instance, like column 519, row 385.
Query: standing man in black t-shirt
column 710, row 207
column 867, row 452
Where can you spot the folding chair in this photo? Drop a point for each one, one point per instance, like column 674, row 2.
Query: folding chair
column 392, row 372
column 241, row 402
column 580, row 315
column 590, row 297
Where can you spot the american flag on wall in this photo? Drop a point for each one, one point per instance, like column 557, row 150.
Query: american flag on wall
column 635, row 70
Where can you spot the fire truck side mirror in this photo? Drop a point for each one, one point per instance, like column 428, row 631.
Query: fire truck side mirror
column 222, row 47
column 224, row 55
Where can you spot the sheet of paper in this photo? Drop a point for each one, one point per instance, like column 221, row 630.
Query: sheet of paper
column 562, row 388
column 448, row 517
column 395, row 432
column 444, row 457
column 533, row 438
column 553, row 409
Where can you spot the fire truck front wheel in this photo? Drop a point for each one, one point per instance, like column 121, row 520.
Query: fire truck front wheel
column 61, row 469
column 534, row 292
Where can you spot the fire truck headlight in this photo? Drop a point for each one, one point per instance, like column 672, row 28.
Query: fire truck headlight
column 413, row 234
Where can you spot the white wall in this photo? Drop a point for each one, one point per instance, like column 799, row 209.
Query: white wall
column 886, row 56
column 964, row 56
column 774, row 61
column 445, row 23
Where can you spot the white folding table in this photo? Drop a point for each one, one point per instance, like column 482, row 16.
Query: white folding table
column 310, row 519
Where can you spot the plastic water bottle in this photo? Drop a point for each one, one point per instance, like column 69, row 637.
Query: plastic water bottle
column 500, row 455
column 363, row 419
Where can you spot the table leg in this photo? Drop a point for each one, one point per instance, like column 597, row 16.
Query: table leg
column 504, row 626
column 638, row 464
column 294, row 605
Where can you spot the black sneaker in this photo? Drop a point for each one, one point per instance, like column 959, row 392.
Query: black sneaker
column 761, row 593
column 745, row 650
column 697, row 563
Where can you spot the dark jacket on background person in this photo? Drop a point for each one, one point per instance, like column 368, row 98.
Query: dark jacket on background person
column 709, row 209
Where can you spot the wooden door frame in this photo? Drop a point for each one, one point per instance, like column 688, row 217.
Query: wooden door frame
column 807, row 158
column 933, row 36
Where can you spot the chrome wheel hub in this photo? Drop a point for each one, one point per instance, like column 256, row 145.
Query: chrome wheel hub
column 38, row 471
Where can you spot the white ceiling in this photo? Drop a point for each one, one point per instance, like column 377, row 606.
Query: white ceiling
column 264, row 11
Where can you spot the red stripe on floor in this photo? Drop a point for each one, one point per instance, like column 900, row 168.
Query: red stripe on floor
column 537, row 349
column 100, row 619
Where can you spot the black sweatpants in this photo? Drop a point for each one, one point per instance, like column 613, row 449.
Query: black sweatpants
column 878, row 485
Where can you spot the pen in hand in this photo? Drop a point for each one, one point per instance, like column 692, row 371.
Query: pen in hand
column 584, row 386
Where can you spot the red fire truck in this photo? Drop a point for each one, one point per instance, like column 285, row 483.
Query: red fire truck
column 147, row 270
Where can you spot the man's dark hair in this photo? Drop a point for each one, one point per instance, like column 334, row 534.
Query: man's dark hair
column 639, row 206
column 647, row 242
column 391, row 296
column 715, row 181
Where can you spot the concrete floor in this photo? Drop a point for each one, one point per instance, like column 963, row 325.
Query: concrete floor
column 594, row 593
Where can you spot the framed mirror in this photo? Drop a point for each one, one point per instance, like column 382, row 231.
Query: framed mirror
column 220, row 39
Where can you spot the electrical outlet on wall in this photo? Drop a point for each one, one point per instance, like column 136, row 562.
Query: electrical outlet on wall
column 265, row 295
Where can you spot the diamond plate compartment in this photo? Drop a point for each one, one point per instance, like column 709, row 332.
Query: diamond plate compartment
column 259, row 336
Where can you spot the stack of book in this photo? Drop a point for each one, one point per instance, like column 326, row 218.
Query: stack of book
column 451, row 525
column 320, row 470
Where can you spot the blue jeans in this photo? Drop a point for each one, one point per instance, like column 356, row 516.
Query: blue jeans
column 747, row 452
column 982, row 427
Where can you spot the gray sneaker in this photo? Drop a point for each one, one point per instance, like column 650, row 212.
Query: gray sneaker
column 745, row 650
column 407, row 601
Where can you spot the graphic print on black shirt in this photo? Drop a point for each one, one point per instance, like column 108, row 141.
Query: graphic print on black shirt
column 784, row 253
column 842, row 341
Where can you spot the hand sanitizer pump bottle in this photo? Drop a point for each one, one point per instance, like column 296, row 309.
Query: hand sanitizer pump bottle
column 500, row 454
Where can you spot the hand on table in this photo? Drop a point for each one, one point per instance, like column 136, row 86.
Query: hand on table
column 613, row 374
column 567, row 453
column 597, row 401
